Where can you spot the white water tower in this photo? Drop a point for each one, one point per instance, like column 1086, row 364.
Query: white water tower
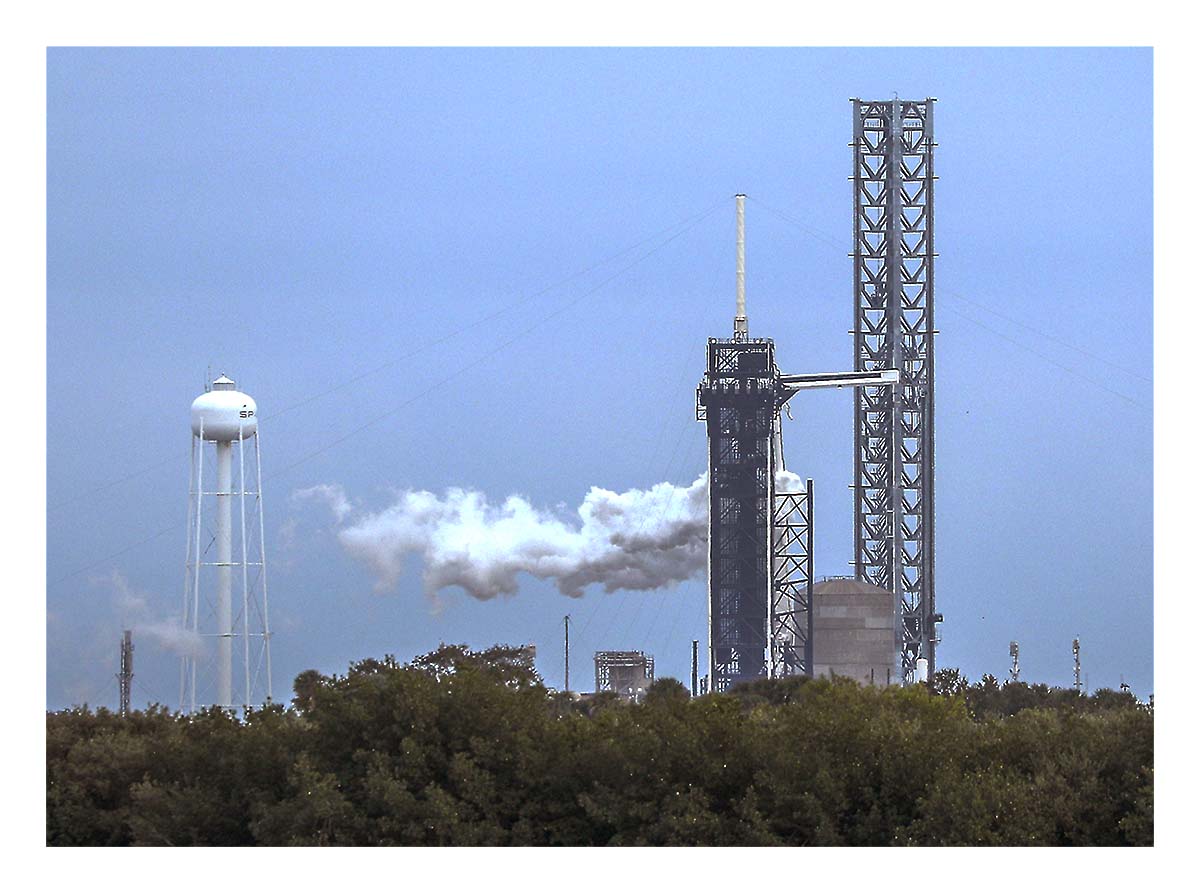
column 223, row 556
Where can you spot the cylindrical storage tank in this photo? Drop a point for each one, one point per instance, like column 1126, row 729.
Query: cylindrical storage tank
column 225, row 413
column 854, row 632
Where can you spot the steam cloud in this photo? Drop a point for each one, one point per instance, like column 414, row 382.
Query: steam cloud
column 132, row 606
column 332, row 495
column 172, row 636
column 638, row 539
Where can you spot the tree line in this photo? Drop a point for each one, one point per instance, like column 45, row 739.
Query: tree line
column 464, row 747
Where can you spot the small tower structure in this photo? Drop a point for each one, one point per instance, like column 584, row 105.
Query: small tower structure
column 223, row 555
column 1014, row 651
column 125, row 676
column 628, row 673
column 1078, row 677
column 695, row 668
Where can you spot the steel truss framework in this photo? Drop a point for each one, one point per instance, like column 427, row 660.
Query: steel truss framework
column 791, row 621
column 894, row 328
column 608, row 661
column 760, row 545
column 247, row 559
column 738, row 400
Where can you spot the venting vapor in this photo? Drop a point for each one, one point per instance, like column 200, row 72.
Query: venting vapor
column 635, row 540
column 638, row 539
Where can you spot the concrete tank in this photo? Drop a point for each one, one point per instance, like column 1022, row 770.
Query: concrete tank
column 854, row 631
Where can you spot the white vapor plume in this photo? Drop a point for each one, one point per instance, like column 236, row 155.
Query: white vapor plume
column 788, row 482
column 126, row 600
column 332, row 495
column 171, row 635
column 133, row 607
column 638, row 539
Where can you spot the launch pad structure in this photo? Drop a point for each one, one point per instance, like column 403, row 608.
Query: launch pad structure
column 760, row 544
column 628, row 673
column 893, row 329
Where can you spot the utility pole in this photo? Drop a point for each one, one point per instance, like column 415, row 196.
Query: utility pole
column 125, row 677
column 695, row 668
column 567, row 652
column 1075, row 653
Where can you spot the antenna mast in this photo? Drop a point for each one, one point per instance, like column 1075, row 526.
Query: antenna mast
column 566, row 652
column 741, row 331
column 695, row 668
column 125, row 677
column 1014, row 651
column 1075, row 653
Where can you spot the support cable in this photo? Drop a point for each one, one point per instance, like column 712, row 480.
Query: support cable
column 686, row 223
column 542, row 320
column 943, row 291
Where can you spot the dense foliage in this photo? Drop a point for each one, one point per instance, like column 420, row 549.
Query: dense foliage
column 464, row 747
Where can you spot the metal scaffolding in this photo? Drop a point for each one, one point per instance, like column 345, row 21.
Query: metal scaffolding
column 893, row 329
column 737, row 400
column 628, row 673
column 791, row 618
column 125, row 676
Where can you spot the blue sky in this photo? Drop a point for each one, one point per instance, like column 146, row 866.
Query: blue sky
column 299, row 218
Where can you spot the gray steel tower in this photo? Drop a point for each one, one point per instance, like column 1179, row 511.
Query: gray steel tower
column 893, row 329
column 737, row 400
column 125, row 677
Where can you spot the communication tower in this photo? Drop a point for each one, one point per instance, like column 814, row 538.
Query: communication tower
column 893, row 329
column 220, row 552
column 1075, row 655
column 1014, row 651
column 695, row 668
column 566, row 652
column 125, row 677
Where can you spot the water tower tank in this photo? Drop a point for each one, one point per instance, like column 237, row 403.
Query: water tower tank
column 226, row 413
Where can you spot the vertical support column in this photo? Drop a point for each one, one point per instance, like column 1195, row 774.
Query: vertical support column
column 858, row 333
column 792, row 581
column 224, row 562
column 246, row 703
column 185, row 618
column 925, row 339
column 894, row 348
column 262, row 557
column 196, row 559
